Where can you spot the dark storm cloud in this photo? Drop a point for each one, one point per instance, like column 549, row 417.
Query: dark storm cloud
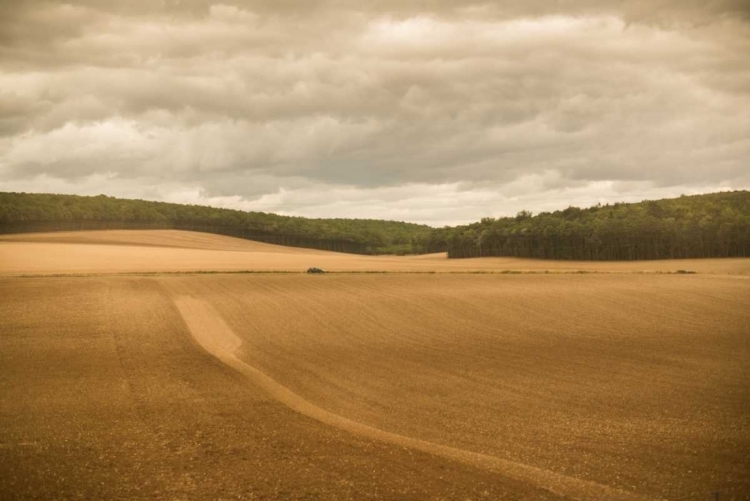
column 286, row 106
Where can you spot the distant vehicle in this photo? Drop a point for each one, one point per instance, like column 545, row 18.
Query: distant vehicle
column 315, row 270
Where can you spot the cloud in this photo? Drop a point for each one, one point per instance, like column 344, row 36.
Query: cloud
column 243, row 103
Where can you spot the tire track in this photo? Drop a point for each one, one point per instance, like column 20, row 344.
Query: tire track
column 213, row 334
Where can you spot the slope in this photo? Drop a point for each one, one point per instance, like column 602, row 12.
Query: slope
column 154, row 251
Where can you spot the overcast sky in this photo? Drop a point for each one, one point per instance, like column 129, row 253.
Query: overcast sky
column 442, row 112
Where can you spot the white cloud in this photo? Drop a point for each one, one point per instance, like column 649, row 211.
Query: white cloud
column 343, row 109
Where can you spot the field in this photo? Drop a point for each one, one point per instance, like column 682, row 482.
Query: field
column 122, row 251
column 128, row 373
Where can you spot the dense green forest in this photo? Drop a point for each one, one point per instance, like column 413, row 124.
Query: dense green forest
column 25, row 212
column 713, row 225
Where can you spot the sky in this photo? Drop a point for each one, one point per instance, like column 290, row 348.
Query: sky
column 437, row 111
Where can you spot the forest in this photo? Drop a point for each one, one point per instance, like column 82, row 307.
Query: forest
column 712, row 225
column 27, row 212
column 698, row 226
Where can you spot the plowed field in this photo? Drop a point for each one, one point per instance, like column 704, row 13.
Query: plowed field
column 611, row 385
column 125, row 251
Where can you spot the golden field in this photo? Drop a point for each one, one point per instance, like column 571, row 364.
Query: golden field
column 624, row 382
column 132, row 251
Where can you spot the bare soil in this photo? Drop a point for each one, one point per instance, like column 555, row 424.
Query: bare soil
column 366, row 386
column 134, row 251
column 105, row 395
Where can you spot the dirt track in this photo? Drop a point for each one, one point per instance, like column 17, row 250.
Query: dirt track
column 212, row 333
column 437, row 386
column 628, row 374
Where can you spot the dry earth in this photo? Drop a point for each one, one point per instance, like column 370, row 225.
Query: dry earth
column 123, row 251
column 365, row 386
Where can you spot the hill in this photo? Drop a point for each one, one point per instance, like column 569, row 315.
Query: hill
column 176, row 251
column 35, row 212
column 699, row 226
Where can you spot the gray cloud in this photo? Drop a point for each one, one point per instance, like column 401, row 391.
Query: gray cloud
column 388, row 109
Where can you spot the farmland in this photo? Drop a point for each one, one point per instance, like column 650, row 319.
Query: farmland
column 129, row 371
column 125, row 251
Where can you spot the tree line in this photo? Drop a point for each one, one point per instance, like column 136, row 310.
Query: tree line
column 713, row 225
column 27, row 212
